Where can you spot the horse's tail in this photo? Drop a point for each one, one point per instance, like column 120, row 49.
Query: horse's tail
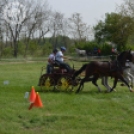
column 79, row 71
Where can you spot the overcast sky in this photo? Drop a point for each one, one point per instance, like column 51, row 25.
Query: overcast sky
column 91, row 10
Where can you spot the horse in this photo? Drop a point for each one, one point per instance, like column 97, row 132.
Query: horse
column 81, row 52
column 127, row 73
column 98, row 69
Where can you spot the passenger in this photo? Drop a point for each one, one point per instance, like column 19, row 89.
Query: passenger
column 51, row 61
column 59, row 59
column 114, row 51
column 99, row 52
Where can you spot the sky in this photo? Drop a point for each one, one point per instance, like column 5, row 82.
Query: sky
column 91, row 10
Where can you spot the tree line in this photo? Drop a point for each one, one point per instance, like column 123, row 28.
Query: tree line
column 40, row 29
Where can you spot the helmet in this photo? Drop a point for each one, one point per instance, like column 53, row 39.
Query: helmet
column 63, row 48
column 55, row 50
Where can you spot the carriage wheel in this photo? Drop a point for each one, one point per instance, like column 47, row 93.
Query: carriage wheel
column 48, row 83
column 63, row 83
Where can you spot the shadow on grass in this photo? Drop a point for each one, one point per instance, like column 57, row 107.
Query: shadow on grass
column 73, row 92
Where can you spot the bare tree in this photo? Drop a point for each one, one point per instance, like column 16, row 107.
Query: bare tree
column 29, row 17
column 37, row 24
column 78, row 29
column 127, row 8
column 1, row 28
column 56, row 25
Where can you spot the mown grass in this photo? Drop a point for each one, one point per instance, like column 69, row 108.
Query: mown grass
column 88, row 112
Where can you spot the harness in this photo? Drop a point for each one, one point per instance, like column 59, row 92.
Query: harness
column 118, row 66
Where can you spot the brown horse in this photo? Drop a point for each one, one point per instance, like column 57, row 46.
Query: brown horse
column 96, row 69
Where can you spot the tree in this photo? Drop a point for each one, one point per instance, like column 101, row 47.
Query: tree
column 56, row 26
column 78, row 29
column 36, row 25
column 23, row 16
column 127, row 8
column 116, row 28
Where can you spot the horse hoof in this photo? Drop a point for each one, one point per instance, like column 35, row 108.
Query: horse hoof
column 131, row 90
column 131, row 86
column 122, row 84
column 111, row 90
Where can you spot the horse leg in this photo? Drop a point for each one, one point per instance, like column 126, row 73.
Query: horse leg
column 94, row 81
column 130, row 89
column 127, row 76
column 115, row 83
column 131, row 79
column 82, row 83
column 105, row 83
column 103, row 80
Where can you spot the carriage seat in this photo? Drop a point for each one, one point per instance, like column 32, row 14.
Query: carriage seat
column 58, row 69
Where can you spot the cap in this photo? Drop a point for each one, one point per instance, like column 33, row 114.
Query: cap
column 63, row 48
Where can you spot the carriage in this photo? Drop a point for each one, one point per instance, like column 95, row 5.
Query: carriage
column 58, row 80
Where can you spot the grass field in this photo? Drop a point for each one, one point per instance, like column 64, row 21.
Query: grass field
column 88, row 112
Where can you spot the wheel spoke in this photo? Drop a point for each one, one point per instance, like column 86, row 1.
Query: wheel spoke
column 47, row 83
column 62, row 84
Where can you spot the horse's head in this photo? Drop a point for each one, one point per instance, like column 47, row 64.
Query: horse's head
column 126, row 55
column 129, row 55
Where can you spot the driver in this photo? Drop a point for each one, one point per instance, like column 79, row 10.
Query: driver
column 59, row 59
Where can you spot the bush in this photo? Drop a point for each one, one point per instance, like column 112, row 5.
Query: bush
column 106, row 49
column 89, row 46
column 7, row 51
column 47, row 48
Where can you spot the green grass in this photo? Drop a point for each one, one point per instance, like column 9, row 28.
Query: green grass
column 88, row 112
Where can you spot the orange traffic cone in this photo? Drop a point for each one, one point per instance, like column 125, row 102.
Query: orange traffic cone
column 32, row 95
column 37, row 103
